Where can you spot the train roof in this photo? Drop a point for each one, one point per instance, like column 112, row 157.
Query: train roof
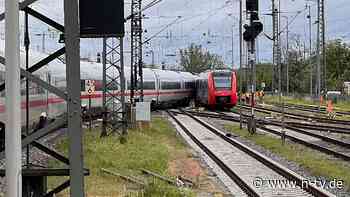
column 188, row 76
column 206, row 73
column 91, row 70
column 173, row 75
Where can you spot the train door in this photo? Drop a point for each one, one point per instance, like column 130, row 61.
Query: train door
column 157, row 86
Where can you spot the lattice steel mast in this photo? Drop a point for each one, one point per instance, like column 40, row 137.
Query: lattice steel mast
column 136, row 75
column 276, row 44
column 113, row 99
column 321, row 49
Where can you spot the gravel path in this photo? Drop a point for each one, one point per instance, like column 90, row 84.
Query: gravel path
column 247, row 167
column 289, row 164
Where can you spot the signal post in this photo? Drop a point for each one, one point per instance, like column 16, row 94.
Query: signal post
column 251, row 32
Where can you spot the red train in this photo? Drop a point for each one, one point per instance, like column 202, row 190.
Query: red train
column 216, row 89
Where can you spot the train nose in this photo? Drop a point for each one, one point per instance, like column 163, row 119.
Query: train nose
column 223, row 99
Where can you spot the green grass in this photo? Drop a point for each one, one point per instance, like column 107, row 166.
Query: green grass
column 340, row 105
column 151, row 149
column 343, row 105
column 318, row 164
column 289, row 100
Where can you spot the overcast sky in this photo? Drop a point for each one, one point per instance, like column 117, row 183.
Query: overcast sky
column 209, row 23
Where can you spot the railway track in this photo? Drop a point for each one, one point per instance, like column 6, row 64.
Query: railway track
column 311, row 108
column 307, row 123
column 330, row 146
column 250, row 170
column 300, row 116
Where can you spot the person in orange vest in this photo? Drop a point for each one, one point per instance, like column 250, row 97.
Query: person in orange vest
column 330, row 111
column 247, row 98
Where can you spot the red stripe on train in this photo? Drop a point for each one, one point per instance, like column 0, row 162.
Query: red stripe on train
column 37, row 103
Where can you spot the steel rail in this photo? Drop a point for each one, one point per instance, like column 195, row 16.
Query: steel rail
column 331, row 129
column 314, row 108
column 322, row 137
column 297, row 116
column 261, row 125
column 308, row 144
column 242, row 184
column 325, row 128
column 314, row 190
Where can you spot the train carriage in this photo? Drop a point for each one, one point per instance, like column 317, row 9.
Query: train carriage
column 216, row 89
column 160, row 87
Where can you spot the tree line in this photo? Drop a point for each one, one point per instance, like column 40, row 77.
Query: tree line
column 301, row 66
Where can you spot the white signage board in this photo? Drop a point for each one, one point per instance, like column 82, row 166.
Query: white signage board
column 90, row 86
column 143, row 111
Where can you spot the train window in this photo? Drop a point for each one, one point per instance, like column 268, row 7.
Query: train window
column 189, row 85
column 202, row 84
column 170, row 85
column 82, row 85
column 149, row 85
column 222, row 80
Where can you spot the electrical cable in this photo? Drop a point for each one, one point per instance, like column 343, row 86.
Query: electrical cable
column 163, row 29
column 151, row 4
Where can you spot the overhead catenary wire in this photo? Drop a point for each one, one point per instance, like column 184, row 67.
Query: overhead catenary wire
column 160, row 31
column 153, row 3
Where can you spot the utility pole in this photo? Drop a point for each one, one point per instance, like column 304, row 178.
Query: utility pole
column 323, row 44
column 310, row 50
column 273, row 47
column 287, row 54
column 318, row 50
column 240, row 61
column 278, row 43
column 277, row 58
column 276, row 48
column 321, row 61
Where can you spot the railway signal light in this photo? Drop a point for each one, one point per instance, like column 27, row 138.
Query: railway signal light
column 252, row 5
column 252, row 31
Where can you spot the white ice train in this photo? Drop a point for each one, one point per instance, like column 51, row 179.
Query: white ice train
column 160, row 87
